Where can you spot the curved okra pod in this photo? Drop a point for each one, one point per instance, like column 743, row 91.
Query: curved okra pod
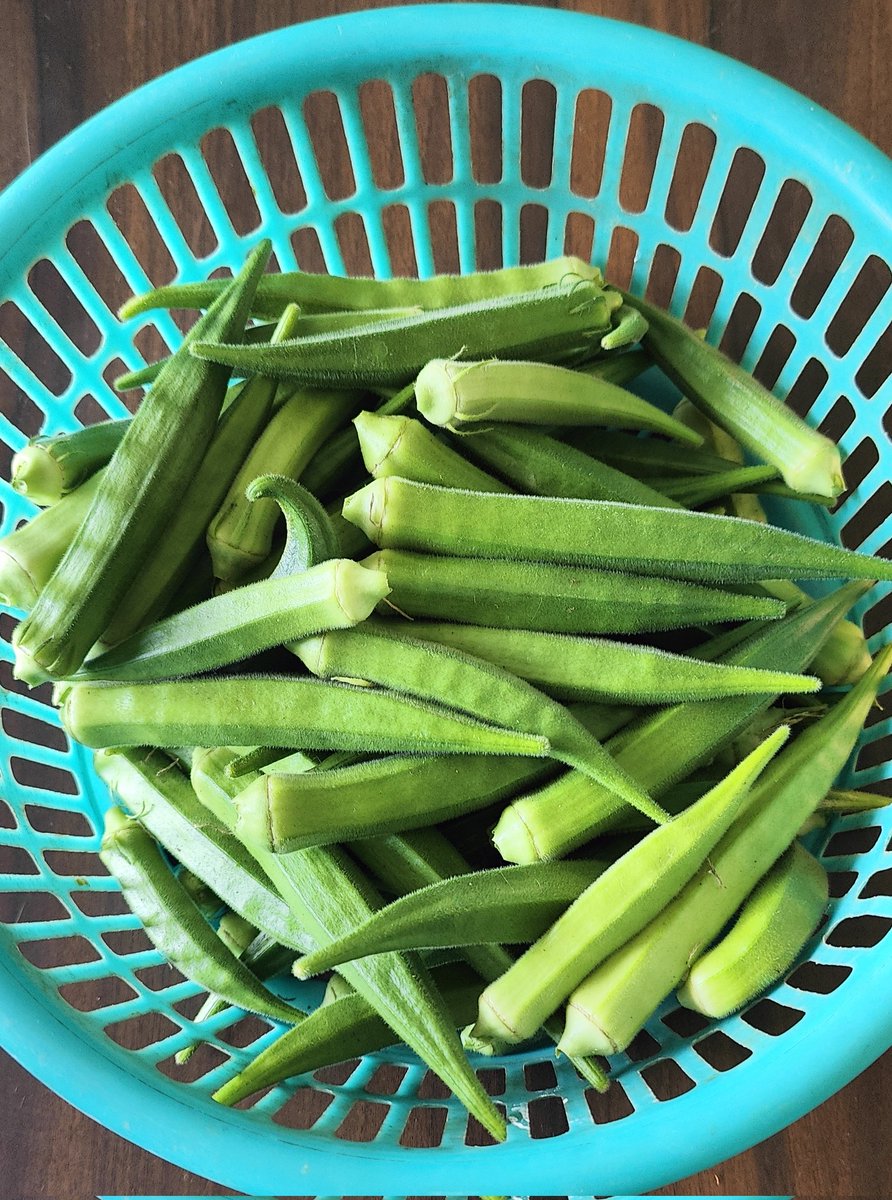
column 456, row 393
column 174, row 924
column 557, row 599
column 160, row 797
column 450, row 677
column 248, row 710
column 30, row 555
column 397, row 513
column 243, row 622
column 138, row 494
column 730, row 396
column 311, row 538
column 402, row 446
column 48, row 468
column 611, row 1005
column 512, row 904
column 765, row 940
column 577, row 668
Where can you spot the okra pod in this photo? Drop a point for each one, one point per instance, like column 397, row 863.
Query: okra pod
column 311, row 538
column 48, row 468
column 402, row 446
column 646, row 457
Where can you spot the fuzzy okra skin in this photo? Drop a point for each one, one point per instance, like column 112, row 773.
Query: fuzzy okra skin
column 511, row 904
column 577, row 668
column 446, row 676
column 311, row 537
column 645, row 458
column 48, row 468
column 140, row 490
column 730, row 396
column 456, row 393
column 250, row 710
column 174, row 924
column 613, row 1003
column 553, row 597
column 765, row 940
column 666, row 746
column 399, row 514
column 628, row 895
column 536, row 324
column 402, row 446
column 243, row 622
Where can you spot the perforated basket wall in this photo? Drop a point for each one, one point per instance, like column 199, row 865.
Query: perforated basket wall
column 391, row 142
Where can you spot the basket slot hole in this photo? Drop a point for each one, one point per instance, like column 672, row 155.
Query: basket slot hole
column 91, row 995
column 322, row 115
column 89, row 411
column 430, row 100
column 741, row 323
column 533, row 232
column 100, row 904
column 303, row 1109
column 28, row 729
column 338, row 1073
column 861, row 301
column 547, row 1117
column 7, row 819
column 666, row 1079
column 397, row 226
column 781, row 231
column 539, row 1077
column 621, row 256
column 663, row 274
column 858, row 466
column 116, row 368
column 824, row 261
column 869, row 517
column 176, row 186
column 190, row 1006
column 128, row 211
column 538, row 106
column 721, row 1052
column 49, row 953
column 230, row 179
column 141, row 1031
column 738, row 197
column 160, row 977
column 874, row 754
column 878, row 616
column 476, row 1135
column 838, row 420
column 879, row 884
column 244, row 1032
column 27, row 344
column 362, row 1122
column 308, row 251
column 32, row 774
column 56, row 820
column 593, row 111
column 77, row 863
column 277, row 154
column 695, row 154
column 685, row 1022
column 487, row 235
column 24, row 907
column 93, row 257
column 493, row 1080
column 859, row 931
column 642, row 1046
column 852, row 841
column 444, row 236
column 642, row 148
column 876, row 368
column 127, row 941
column 63, row 306
column 378, row 115
column 424, row 1127
column 433, row 1088
column 772, row 1018
column 485, row 123
column 203, row 1059
column 42, row 694
column 819, row 978
column 150, row 344
column 386, row 1079
column 703, row 298
column 354, row 245
column 841, row 882
column 16, row 861
column 607, row 1107
column 810, row 383
column 773, row 358
column 579, row 235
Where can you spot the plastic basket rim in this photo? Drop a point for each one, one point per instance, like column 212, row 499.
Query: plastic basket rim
column 256, row 1160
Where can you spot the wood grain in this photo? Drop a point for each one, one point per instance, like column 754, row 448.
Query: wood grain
column 63, row 60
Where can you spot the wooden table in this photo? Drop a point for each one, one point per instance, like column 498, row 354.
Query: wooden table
column 62, row 61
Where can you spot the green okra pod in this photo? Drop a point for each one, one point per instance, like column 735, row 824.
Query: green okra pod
column 399, row 514
column 174, row 924
column 767, row 937
column 311, row 537
column 512, row 904
column 456, row 393
column 647, row 457
column 553, row 598
column 618, row 368
column 622, row 900
column 139, row 491
column 48, row 468
column 402, row 446
column 607, row 1009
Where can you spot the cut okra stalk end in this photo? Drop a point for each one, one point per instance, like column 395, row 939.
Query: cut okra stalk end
column 358, row 589
column 37, row 475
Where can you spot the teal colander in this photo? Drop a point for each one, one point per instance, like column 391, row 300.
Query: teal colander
column 742, row 202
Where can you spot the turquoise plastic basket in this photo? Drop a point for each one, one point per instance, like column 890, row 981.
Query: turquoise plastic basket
column 88, row 1006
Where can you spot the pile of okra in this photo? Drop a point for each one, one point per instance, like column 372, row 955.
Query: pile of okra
column 417, row 648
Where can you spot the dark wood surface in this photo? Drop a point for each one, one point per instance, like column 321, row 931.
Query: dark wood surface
column 63, row 60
